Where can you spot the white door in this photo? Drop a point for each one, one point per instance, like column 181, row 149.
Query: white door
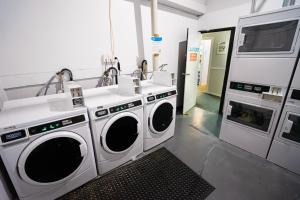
column 191, row 72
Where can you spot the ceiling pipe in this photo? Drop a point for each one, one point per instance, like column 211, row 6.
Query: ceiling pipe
column 155, row 55
column 253, row 6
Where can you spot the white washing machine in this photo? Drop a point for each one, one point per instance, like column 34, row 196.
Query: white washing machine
column 117, row 126
column 285, row 149
column 46, row 153
column 159, row 113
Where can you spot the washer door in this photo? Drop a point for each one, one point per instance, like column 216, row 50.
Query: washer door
column 120, row 132
column 161, row 116
column 52, row 158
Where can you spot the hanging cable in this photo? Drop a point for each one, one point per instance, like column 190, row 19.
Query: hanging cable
column 58, row 74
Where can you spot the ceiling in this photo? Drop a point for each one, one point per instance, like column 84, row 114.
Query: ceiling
column 201, row 1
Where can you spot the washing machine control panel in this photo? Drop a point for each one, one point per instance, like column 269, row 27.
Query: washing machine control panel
column 247, row 87
column 12, row 136
column 56, row 125
column 125, row 106
column 166, row 94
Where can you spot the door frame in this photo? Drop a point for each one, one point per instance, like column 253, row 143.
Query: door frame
column 228, row 61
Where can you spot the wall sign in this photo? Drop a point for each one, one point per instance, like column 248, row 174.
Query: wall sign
column 222, row 47
column 193, row 56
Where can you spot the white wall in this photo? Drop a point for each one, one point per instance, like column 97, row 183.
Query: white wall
column 40, row 37
column 220, row 14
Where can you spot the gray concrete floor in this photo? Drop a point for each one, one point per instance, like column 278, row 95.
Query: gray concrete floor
column 235, row 173
column 205, row 121
column 208, row 102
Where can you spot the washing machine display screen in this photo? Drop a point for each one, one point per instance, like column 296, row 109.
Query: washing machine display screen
column 122, row 134
column 151, row 98
column 162, row 117
column 125, row 106
column 101, row 113
column 9, row 137
column 53, row 160
column 166, row 94
column 56, row 124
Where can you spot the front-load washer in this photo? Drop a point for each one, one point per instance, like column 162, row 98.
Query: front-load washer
column 46, row 152
column 117, row 126
column 285, row 148
column 159, row 113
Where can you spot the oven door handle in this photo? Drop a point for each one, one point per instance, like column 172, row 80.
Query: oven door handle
column 229, row 109
column 242, row 39
column 288, row 126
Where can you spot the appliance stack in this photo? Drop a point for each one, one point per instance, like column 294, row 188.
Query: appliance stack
column 53, row 144
column 264, row 58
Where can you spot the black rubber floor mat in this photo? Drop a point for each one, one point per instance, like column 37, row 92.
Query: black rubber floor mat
column 159, row 175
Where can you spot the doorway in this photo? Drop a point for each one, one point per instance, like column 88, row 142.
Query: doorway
column 214, row 50
column 203, row 68
column 215, row 54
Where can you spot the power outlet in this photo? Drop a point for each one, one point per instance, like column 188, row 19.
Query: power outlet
column 108, row 59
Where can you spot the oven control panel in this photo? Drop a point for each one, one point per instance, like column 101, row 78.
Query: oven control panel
column 166, row 94
column 247, row 87
column 125, row 106
column 56, row 125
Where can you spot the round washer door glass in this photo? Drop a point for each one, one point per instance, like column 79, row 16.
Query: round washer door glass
column 162, row 117
column 121, row 132
column 54, row 159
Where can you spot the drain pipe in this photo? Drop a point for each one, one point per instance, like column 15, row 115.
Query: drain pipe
column 155, row 55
